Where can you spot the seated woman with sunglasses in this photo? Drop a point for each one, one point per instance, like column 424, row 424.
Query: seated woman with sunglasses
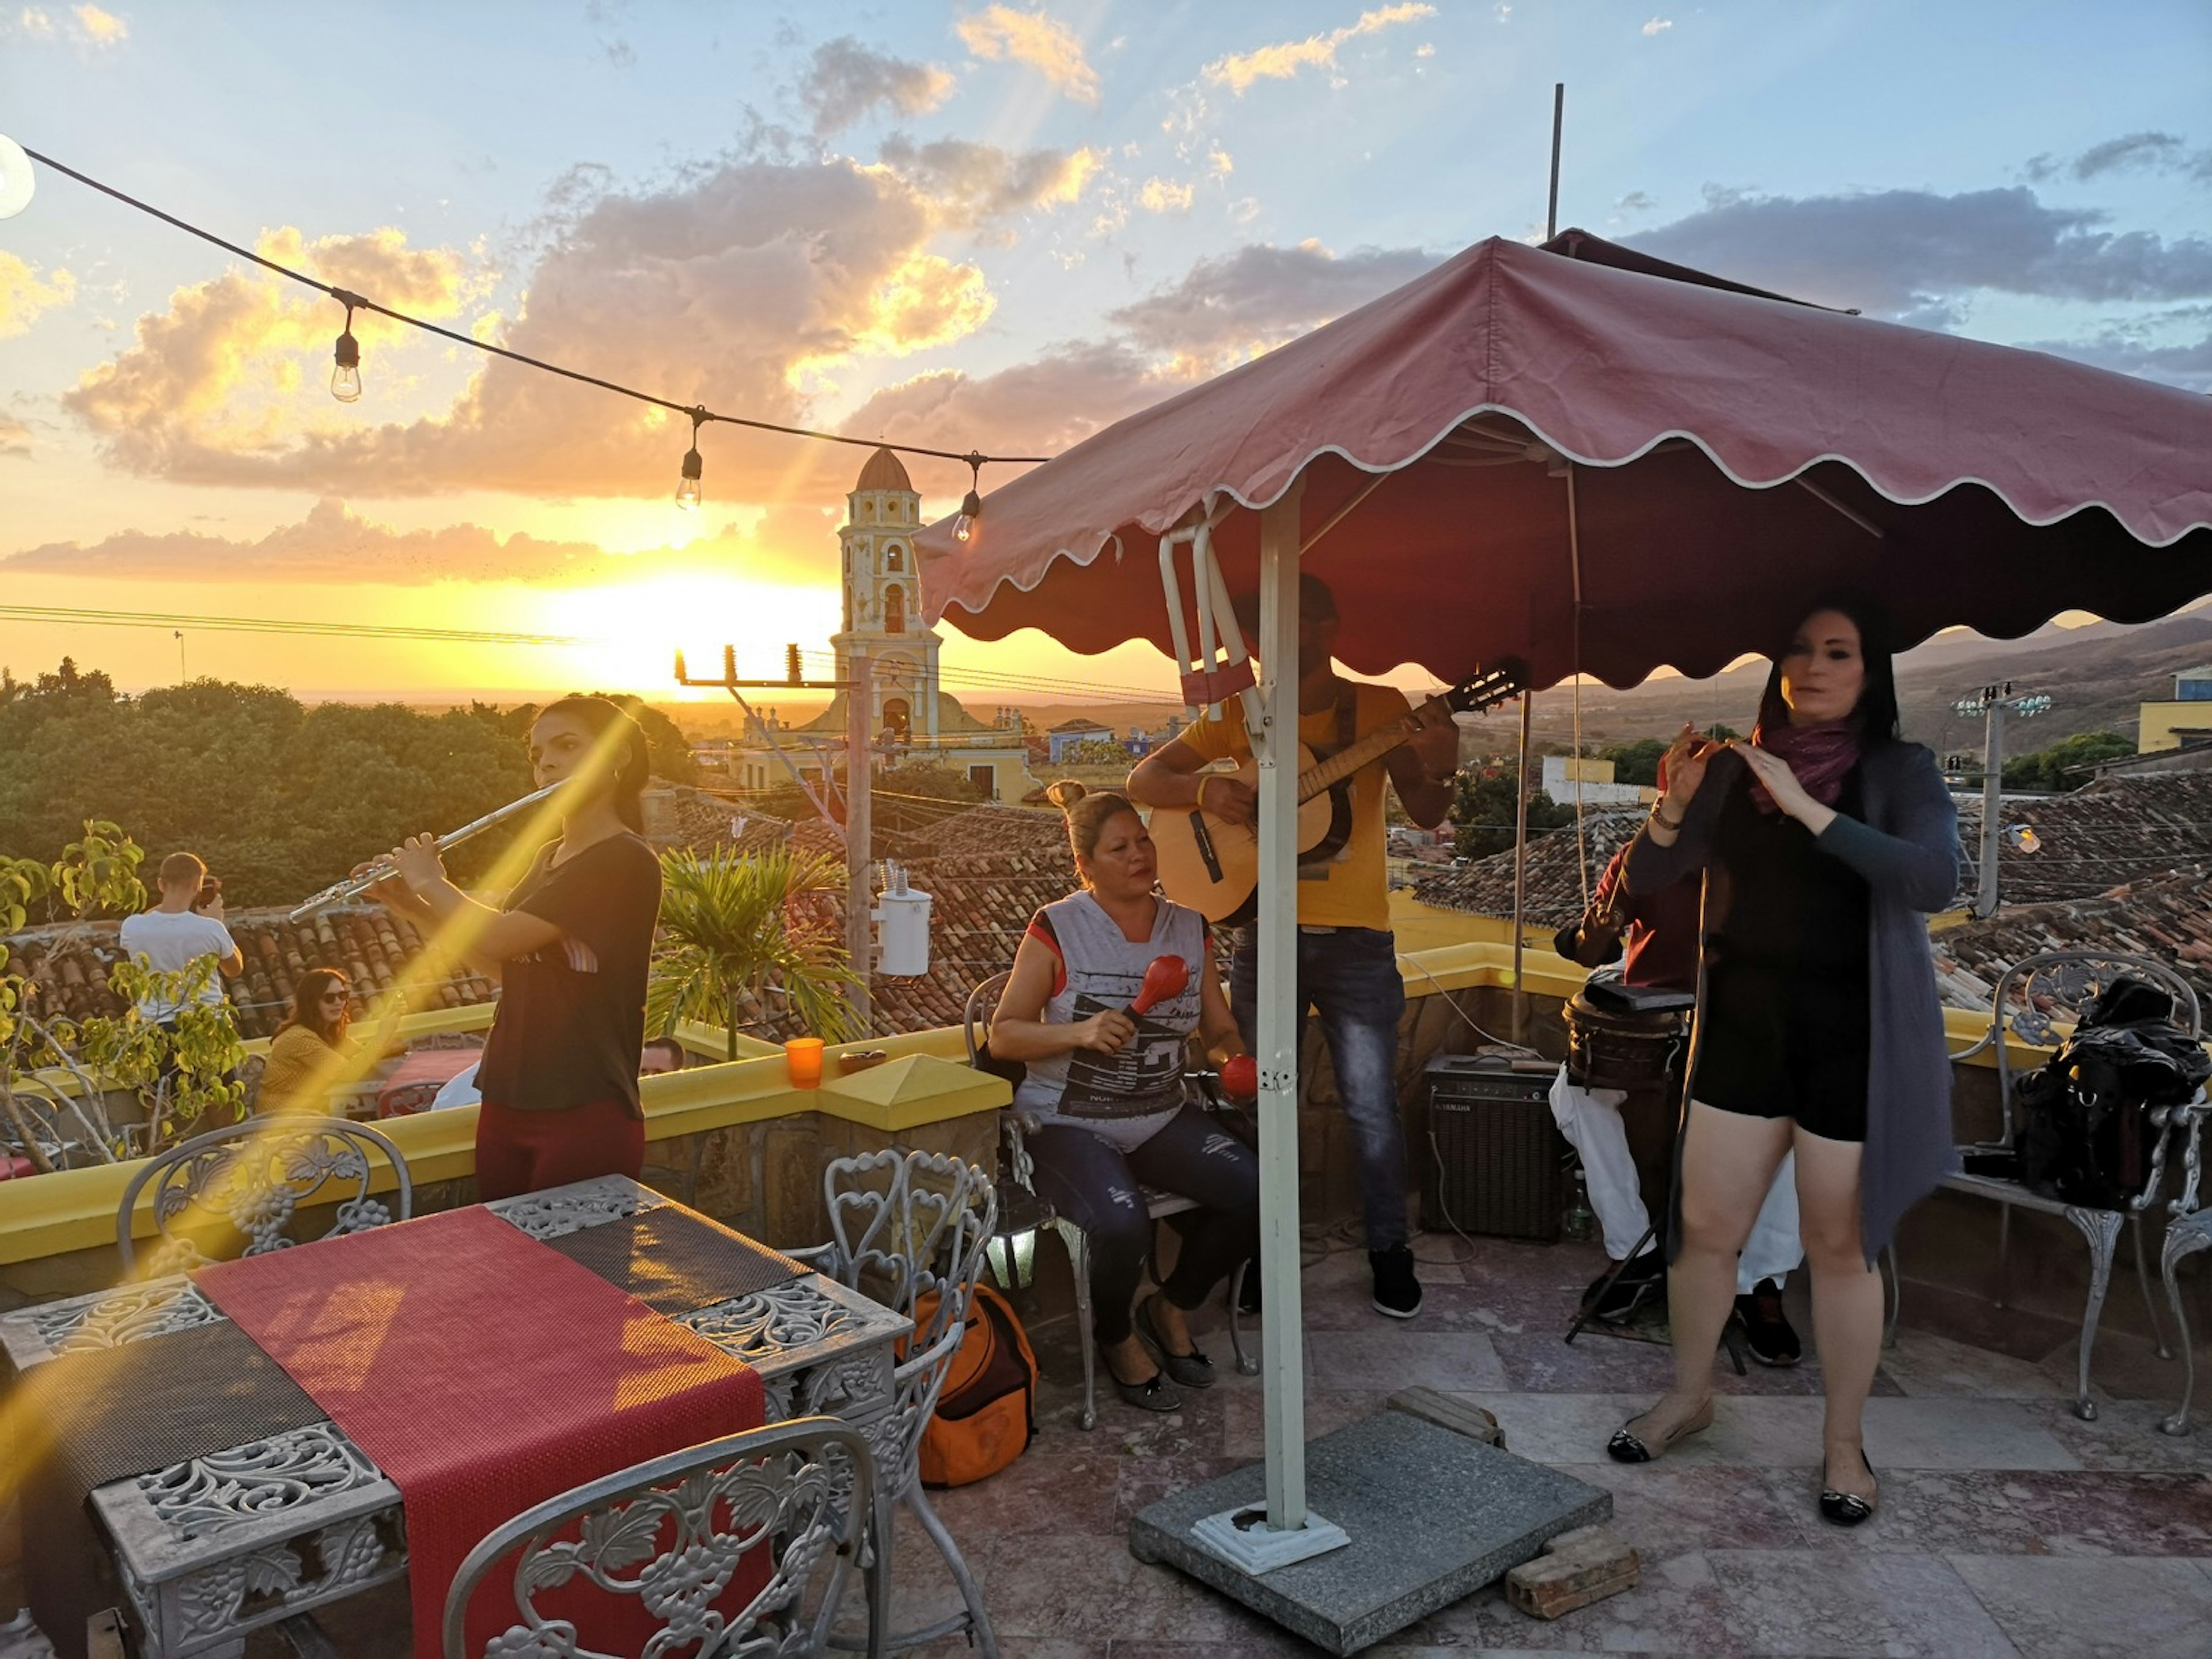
column 311, row 1051
column 1105, row 1088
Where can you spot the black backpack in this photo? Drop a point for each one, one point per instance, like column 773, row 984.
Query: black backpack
column 2086, row 1136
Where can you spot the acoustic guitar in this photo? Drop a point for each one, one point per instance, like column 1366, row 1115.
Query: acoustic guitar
column 1212, row 864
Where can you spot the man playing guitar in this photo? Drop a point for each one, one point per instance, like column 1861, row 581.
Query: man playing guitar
column 1347, row 961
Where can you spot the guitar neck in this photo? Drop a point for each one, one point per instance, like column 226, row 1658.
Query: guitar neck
column 1492, row 689
column 1328, row 774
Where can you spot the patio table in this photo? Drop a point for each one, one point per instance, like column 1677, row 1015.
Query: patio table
column 210, row 1549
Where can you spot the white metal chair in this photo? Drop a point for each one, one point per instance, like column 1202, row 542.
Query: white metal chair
column 1018, row 1167
column 2034, row 999
column 2186, row 1236
column 911, row 1230
column 676, row 1530
column 257, row 1176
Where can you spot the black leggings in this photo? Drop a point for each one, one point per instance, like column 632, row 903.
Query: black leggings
column 1101, row 1190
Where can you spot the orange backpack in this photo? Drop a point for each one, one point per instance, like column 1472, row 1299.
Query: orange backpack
column 987, row 1410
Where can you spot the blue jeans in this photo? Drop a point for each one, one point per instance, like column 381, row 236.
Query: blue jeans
column 1349, row 976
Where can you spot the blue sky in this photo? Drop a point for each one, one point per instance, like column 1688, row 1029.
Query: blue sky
column 980, row 223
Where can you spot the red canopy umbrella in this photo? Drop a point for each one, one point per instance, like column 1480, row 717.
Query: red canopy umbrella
column 1581, row 457
column 1739, row 453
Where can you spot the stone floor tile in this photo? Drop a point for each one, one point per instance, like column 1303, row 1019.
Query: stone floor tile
column 1840, row 1606
column 1068, row 1589
column 1677, row 1609
column 2079, row 1608
column 1243, row 1441
column 2107, row 1513
column 1962, row 1434
column 1558, row 1428
column 2124, row 1437
column 1974, row 1319
column 1144, row 1481
column 1665, row 1509
column 1929, row 1511
column 1595, row 1364
column 1061, row 1490
column 1388, row 1359
column 1922, row 1363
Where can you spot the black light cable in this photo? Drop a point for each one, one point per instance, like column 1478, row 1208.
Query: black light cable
column 348, row 347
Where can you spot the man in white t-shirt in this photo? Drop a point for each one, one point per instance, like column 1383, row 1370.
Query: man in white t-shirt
column 172, row 935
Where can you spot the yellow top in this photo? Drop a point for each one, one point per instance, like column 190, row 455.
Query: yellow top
column 297, row 1057
column 1352, row 891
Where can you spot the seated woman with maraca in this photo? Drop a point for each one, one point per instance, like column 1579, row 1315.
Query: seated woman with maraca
column 1107, row 988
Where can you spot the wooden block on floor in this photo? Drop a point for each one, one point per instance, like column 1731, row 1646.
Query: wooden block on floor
column 1446, row 1413
column 1575, row 1569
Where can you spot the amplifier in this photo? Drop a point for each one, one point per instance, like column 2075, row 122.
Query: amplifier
column 1495, row 1164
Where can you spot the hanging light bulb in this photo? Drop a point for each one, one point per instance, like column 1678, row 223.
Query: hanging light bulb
column 971, row 504
column 345, row 359
column 17, row 182
column 687, row 491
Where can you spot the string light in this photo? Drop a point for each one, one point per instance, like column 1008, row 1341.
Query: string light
column 345, row 356
column 971, row 505
column 970, row 508
column 16, row 179
column 687, row 490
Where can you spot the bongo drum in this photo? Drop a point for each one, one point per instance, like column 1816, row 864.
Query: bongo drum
column 1610, row 1049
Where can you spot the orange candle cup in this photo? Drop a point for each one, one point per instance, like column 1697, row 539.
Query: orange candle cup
column 804, row 1056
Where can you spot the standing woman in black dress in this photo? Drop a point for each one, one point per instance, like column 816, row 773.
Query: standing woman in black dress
column 1825, row 842
column 571, row 944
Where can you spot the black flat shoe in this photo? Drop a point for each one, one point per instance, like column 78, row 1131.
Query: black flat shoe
column 1846, row 1509
column 1193, row 1370
column 1626, row 1448
column 1155, row 1393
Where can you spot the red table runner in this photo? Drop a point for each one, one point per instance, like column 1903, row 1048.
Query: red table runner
column 483, row 1373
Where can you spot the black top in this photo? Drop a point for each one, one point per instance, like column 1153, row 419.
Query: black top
column 571, row 1019
column 1783, row 902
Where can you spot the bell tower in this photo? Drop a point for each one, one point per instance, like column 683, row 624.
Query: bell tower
column 883, row 600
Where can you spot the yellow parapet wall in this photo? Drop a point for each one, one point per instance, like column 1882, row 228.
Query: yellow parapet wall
column 925, row 1079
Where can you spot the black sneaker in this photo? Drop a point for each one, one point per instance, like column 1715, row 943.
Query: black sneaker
column 1397, row 1292
column 1766, row 1328
column 1643, row 1277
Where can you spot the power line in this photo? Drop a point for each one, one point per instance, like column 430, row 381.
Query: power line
column 699, row 415
column 42, row 613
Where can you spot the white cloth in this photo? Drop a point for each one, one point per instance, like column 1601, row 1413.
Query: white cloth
column 171, row 941
column 458, row 1089
column 1590, row 1120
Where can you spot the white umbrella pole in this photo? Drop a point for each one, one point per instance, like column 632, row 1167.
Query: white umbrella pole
column 1282, row 1345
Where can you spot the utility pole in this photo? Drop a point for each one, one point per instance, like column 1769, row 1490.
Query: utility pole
column 859, row 932
column 860, row 830
column 1990, row 703
column 179, row 633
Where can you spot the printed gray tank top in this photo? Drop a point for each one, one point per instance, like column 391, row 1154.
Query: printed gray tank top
column 1128, row 1097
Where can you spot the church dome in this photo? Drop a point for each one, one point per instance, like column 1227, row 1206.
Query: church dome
column 883, row 472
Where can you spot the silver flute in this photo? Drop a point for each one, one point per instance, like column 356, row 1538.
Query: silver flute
column 353, row 886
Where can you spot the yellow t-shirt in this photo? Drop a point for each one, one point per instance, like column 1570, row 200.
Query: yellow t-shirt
column 1352, row 891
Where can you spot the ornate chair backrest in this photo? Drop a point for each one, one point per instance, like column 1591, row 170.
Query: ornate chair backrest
column 909, row 1229
column 2038, row 994
column 676, row 1530
column 257, row 1176
column 975, row 1017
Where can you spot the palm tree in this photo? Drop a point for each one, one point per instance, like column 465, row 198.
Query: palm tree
column 733, row 929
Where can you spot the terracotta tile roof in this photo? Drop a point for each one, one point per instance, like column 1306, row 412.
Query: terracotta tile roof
column 2119, row 829
column 2122, row 829
column 1553, row 876
column 2167, row 918
column 369, row 945
column 989, row 830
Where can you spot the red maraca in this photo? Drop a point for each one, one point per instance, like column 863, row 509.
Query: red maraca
column 1240, row 1077
column 1165, row 979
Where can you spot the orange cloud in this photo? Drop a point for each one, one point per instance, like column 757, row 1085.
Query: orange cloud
column 1045, row 44
column 1238, row 72
column 23, row 295
column 735, row 289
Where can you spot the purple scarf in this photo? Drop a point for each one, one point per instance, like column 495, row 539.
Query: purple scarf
column 1821, row 756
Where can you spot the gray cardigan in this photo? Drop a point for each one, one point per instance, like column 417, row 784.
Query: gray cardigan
column 1907, row 850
